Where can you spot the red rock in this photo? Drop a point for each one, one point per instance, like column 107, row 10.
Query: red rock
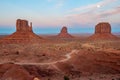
column 14, row 72
column 103, row 31
column 23, row 34
column 64, row 30
column 64, row 33
column 22, row 26
column 103, row 28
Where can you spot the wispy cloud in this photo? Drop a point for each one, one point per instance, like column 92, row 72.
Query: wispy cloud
column 57, row 3
column 92, row 6
column 110, row 12
column 93, row 14
column 90, row 14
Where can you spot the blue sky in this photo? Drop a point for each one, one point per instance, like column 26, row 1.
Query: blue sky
column 48, row 16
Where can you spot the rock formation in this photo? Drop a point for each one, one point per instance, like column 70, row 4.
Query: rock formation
column 64, row 33
column 10, row 71
column 102, row 28
column 102, row 31
column 22, row 26
column 23, row 34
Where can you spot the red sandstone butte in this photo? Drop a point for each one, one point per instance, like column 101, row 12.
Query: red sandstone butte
column 64, row 33
column 103, row 32
column 23, row 34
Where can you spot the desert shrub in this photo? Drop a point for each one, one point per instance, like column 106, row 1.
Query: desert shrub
column 17, row 52
column 66, row 78
column 48, row 78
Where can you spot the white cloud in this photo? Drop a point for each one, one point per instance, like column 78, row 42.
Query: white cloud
column 84, row 15
column 57, row 3
column 92, row 6
column 92, row 14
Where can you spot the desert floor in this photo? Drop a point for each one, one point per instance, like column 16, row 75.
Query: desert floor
column 77, row 58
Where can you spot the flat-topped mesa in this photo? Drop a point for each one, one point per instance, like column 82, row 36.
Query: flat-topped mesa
column 22, row 26
column 103, row 32
column 102, row 28
column 64, row 33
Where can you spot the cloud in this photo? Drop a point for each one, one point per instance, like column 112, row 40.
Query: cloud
column 85, row 15
column 90, row 18
column 57, row 3
column 92, row 6
column 86, row 18
column 110, row 12
column 92, row 14
column 60, row 3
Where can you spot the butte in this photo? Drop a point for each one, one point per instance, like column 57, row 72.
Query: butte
column 64, row 33
column 103, row 32
column 23, row 34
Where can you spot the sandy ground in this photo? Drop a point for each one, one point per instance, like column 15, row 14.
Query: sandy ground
column 78, row 59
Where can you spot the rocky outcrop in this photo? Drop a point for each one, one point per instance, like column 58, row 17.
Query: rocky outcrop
column 23, row 34
column 10, row 71
column 103, row 31
column 102, row 28
column 22, row 26
column 64, row 33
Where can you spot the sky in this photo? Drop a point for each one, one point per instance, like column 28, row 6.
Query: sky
column 49, row 16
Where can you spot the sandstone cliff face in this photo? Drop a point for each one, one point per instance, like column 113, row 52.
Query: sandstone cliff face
column 23, row 34
column 64, row 33
column 22, row 26
column 103, row 28
column 102, row 31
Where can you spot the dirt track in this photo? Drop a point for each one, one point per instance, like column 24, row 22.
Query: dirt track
column 68, row 56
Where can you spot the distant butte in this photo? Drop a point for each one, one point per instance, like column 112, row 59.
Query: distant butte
column 22, row 26
column 103, row 31
column 64, row 33
column 23, row 34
